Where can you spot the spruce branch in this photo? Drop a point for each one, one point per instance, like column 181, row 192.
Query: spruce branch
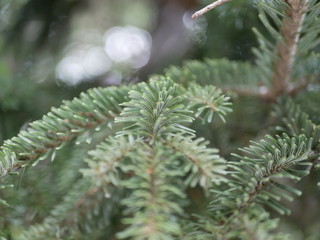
column 154, row 109
column 82, row 203
column 72, row 218
column 259, row 226
column 310, row 31
column 204, row 166
column 222, row 74
column 277, row 155
column 296, row 122
column 153, row 205
column 253, row 179
column 256, row 225
column 287, row 47
column 104, row 161
column 207, row 101
column 62, row 124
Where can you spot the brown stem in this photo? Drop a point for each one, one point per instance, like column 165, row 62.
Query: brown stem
column 286, row 52
column 287, row 47
column 151, row 226
column 208, row 8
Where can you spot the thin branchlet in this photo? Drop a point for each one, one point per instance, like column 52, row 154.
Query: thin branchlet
column 208, row 8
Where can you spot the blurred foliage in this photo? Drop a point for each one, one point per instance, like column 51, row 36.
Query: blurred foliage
column 229, row 32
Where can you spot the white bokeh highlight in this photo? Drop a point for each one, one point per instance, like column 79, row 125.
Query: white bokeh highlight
column 129, row 45
column 82, row 64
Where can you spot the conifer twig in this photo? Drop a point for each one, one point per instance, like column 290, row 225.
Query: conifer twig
column 287, row 48
column 208, row 8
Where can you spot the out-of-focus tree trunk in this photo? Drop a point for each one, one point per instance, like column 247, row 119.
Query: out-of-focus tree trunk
column 169, row 35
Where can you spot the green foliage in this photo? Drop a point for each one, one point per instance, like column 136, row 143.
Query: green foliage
column 256, row 225
column 219, row 72
column 152, row 206
column 154, row 110
column 270, row 14
column 254, row 182
column 147, row 172
column 204, row 166
column 62, row 124
column 276, row 157
column 311, row 30
column 207, row 101
column 308, row 66
column 104, row 161
column 297, row 122
column 72, row 218
column 144, row 158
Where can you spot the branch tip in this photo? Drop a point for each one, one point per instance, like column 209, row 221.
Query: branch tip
column 208, row 8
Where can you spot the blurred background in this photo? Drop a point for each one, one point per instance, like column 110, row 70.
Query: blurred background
column 54, row 49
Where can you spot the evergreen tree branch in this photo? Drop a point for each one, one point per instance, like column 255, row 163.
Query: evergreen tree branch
column 222, row 73
column 287, row 47
column 309, row 37
column 153, row 205
column 204, row 166
column 155, row 112
column 253, row 225
column 283, row 61
column 82, row 202
column 253, row 179
column 296, row 122
column 62, row 124
column 154, row 109
column 276, row 64
column 104, row 161
column 207, row 101
column 73, row 218
column 259, row 226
